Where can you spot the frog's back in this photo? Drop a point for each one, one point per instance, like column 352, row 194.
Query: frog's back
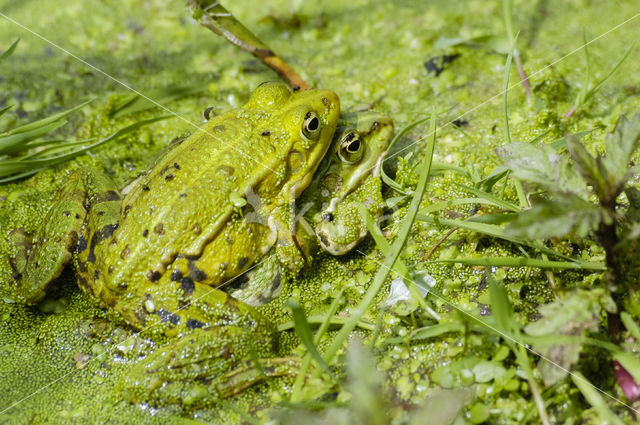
column 185, row 201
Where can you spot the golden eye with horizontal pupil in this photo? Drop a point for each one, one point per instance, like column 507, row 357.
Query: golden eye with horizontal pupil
column 351, row 147
column 311, row 126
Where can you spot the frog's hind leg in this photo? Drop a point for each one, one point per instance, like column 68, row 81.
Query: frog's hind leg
column 202, row 368
column 40, row 262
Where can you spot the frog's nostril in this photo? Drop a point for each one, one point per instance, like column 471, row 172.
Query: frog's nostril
column 328, row 217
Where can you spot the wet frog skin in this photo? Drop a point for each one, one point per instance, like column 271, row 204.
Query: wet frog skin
column 185, row 227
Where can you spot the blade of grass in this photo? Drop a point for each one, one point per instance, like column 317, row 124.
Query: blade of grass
column 385, row 178
column 9, row 51
column 594, row 398
column 303, row 330
column 490, row 199
column 26, row 167
column 390, row 260
column 47, row 120
column 524, row 262
column 490, row 230
column 135, row 103
column 5, row 109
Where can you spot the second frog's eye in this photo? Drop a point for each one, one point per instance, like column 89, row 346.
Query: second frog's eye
column 351, row 147
column 311, row 126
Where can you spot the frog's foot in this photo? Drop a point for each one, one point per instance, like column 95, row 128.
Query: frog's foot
column 261, row 284
column 39, row 263
column 202, row 368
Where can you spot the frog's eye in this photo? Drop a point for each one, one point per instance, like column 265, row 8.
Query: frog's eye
column 311, row 126
column 351, row 147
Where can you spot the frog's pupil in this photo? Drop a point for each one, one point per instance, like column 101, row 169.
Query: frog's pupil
column 354, row 146
column 313, row 124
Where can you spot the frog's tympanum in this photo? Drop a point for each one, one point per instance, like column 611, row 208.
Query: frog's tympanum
column 207, row 210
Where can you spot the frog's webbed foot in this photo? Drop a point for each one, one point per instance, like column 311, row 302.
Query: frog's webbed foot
column 203, row 367
column 261, row 284
column 41, row 261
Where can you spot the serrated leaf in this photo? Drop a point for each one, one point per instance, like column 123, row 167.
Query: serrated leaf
column 590, row 168
column 620, row 146
column 544, row 166
column 571, row 315
column 556, row 218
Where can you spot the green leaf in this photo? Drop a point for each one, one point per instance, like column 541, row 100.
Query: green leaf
column 522, row 262
column 556, row 218
column 46, row 121
column 542, row 165
column 501, row 309
column 590, row 168
column 5, row 109
column 9, row 51
column 135, row 103
column 303, row 330
column 572, row 314
column 594, row 397
column 620, row 146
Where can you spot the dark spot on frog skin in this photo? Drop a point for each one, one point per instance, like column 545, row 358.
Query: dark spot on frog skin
column 194, row 324
column 460, row 123
column 122, row 286
column 197, row 229
column 110, row 195
column 145, row 187
column 98, row 237
column 169, row 177
column 159, row 229
column 77, row 216
column 195, row 273
column 266, row 133
column 183, row 195
column 176, row 166
column 82, row 244
column 325, row 101
column 96, row 275
column 145, row 233
column 219, row 128
column 110, row 269
column 187, row 285
column 125, row 252
column 176, row 276
column 375, row 126
column 167, row 316
column 154, row 275
column 66, row 213
column 100, row 212
column 125, row 211
column 296, row 88
column 243, row 262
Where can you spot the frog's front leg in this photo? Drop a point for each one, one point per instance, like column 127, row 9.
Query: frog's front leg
column 87, row 195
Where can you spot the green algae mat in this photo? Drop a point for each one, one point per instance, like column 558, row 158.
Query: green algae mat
column 499, row 284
